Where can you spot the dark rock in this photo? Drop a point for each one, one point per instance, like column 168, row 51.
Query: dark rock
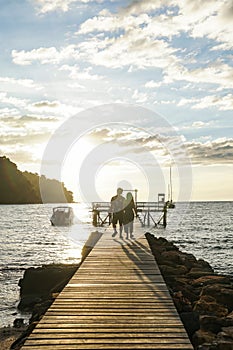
column 174, row 256
column 19, row 323
column 197, row 272
column 17, row 344
column 228, row 332
column 224, row 345
column 204, row 264
column 160, row 244
column 202, row 336
column 175, row 270
column 191, row 322
column 190, row 293
column 211, row 323
column 39, row 309
column 230, row 315
column 207, row 305
column 210, row 279
column 200, row 295
column 38, row 284
column 207, row 346
column 182, row 304
column 222, row 294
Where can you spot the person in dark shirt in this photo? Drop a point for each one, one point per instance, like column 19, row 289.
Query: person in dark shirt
column 117, row 211
column 129, row 213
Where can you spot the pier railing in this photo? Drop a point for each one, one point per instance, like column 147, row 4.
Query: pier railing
column 146, row 212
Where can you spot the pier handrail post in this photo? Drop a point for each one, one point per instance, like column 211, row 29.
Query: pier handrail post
column 165, row 215
column 148, row 217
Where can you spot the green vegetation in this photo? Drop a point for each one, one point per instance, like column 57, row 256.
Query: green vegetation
column 17, row 187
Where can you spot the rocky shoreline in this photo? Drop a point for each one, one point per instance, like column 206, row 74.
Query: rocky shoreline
column 204, row 299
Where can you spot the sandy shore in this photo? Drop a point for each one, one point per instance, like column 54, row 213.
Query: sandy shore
column 8, row 335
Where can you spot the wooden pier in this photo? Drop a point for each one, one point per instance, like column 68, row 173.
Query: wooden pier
column 117, row 299
column 101, row 212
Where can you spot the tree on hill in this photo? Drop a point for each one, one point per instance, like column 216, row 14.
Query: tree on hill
column 53, row 190
column 18, row 187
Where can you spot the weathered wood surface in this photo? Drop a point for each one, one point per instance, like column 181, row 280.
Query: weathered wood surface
column 116, row 300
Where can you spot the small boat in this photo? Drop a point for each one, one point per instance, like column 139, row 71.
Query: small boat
column 170, row 205
column 62, row 216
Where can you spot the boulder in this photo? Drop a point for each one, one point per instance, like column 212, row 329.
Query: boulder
column 203, row 263
column 210, row 279
column 207, row 305
column 159, row 244
column 228, row 332
column 202, row 336
column 197, row 272
column 222, row 293
column 39, row 283
column 191, row 322
column 18, row 323
column 211, row 323
column 175, row 270
column 230, row 316
column 224, row 345
column 182, row 304
column 173, row 256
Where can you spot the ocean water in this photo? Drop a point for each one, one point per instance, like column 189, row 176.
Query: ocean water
column 28, row 239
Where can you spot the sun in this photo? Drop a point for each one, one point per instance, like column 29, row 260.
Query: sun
column 73, row 161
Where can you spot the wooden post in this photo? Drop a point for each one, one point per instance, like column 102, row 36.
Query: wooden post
column 148, row 217
column 165, row 215
column 95, row 217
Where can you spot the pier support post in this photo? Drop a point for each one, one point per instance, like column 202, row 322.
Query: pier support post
column 165, row 215
column 95, row 217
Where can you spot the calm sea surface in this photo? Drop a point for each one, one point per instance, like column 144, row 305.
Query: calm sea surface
column 28, row 239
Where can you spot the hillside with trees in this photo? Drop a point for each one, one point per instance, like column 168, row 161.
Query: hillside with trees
column 17, row 187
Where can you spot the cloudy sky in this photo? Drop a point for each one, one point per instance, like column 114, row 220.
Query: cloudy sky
column 173, row 58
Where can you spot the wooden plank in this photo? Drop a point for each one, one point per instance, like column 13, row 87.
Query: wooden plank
column 47, row 329
column 115, row 345
column 107, row 340
column 110, row 335
column 107, row 346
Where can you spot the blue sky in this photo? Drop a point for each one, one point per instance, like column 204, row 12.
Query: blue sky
column 59, row 58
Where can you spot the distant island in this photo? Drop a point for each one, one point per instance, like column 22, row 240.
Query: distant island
column 17, row 187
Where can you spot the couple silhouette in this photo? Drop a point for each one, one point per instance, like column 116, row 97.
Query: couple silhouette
column 123, row 210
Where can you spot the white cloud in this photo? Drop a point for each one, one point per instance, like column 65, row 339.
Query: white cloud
column 133, row 48
column 17, row 102
column 76, row 74
column 223, row 103
column 139, row 40
column 61, row 5
column 139, row 97
column 199, row 124
column 218, row 25
column 215, row 73
column 54, row 107
column 28, row 83
column 108, row 22
column 44, row 55
column 140, row 6
column 6, row 112
column 152, row 84
column 219, row 151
